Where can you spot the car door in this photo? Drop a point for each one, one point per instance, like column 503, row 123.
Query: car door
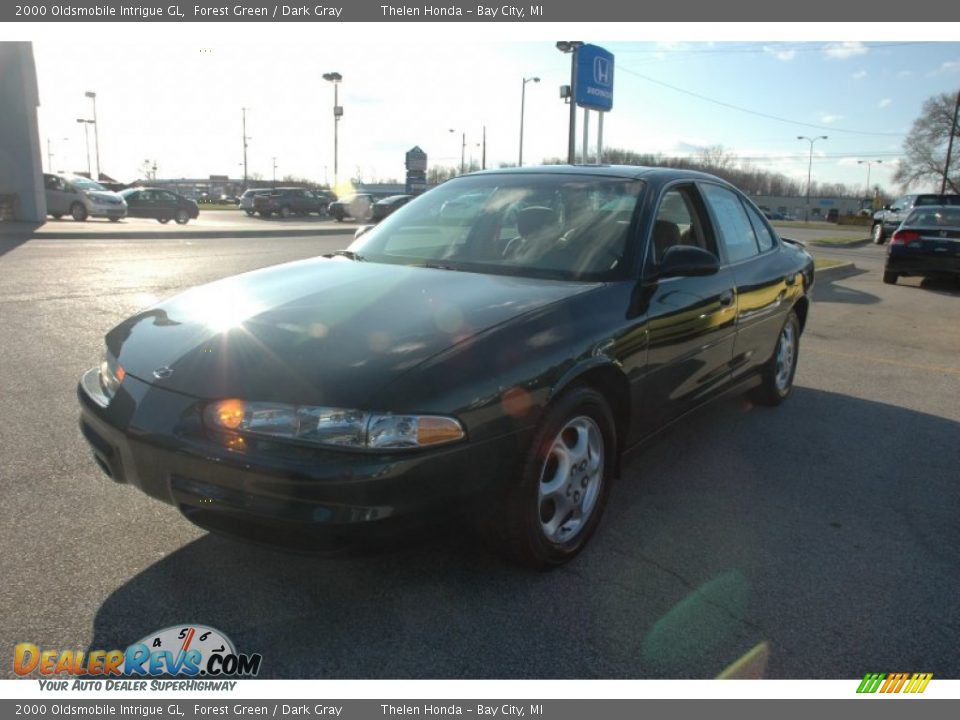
column 766, row 282
column 898, row 211
column 55, row 191
column 690, row 321
column 167, row 204
column 137, row 203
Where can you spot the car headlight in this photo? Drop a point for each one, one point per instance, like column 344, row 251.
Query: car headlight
column 337, row 427
column 111, row 375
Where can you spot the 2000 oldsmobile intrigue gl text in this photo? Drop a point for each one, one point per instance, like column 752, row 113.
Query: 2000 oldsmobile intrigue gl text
column 495, row 344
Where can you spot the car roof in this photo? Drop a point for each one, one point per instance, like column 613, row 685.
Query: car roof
column 629, row 172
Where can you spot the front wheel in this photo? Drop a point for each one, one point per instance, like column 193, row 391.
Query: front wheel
column 182, row 217
column 163, row 220
column 285, row 212
column 552, row 511
column 251, row 213
column 78, row 212
column 777, row 374
column 877, row 234
column 890, row 278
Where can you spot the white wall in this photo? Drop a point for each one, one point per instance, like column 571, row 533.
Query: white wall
column 20, row 168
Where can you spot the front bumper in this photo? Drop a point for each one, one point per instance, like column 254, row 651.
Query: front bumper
column 276, row 492
column 108, row 211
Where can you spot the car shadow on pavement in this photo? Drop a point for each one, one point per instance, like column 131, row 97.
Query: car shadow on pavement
column 938, row 285
column 830, row 290
column 825, row 528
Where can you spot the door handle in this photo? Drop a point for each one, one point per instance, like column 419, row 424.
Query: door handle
column 726, row 299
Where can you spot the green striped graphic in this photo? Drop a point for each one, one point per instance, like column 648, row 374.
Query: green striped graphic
column 871, row 682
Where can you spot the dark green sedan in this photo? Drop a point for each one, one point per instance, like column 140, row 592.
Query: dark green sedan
column 487, row 352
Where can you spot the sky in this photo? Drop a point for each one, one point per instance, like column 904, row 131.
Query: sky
column 176, row 98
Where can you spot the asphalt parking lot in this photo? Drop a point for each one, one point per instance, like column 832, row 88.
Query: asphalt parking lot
column 826, row 528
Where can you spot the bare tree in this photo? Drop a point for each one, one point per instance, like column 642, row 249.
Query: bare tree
column 925, row 148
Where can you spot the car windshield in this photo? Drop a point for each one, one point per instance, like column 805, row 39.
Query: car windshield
column 86, row 184
column 938, row 216
column 562, row 226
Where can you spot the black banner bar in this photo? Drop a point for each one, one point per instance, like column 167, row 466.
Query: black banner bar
column 825, row 11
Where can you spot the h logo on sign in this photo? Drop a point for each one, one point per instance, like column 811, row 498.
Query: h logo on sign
column 601, row 71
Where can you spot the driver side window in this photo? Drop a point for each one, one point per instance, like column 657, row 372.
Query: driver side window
column 678, row 222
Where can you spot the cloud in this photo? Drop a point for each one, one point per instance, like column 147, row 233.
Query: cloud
column 951, row 66
column 844, row 50
column 885, row 102
column 784, row 55
column 827, row 118
column 859, row 75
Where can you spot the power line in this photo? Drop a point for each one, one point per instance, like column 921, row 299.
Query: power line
column 757, row 48
column 749, row 111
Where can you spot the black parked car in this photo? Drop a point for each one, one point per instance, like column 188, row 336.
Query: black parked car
column 291, row 201
column 359, row 207
column 500, row 364
column 162, row 205
column 926, row 244
column 383, row 208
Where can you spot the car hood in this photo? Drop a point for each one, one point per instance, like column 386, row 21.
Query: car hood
column 321, row 331
column 106, row 196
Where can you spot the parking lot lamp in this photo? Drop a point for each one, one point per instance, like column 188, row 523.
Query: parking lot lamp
column 868, row 163
column 96, row 133
column 523, row 99
column 86, row 138
column 571, row 47
column 335, row 78
column 463, row 150
column 274, row 172
column 811, row 140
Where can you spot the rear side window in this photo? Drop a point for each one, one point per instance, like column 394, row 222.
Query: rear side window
column 732, row 223
column 764, row 237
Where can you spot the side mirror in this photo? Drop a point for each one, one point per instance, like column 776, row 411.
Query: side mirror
column 688, row 261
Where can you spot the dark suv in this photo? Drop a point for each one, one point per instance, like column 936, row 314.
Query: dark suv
column 887, row 220
column 291, row 201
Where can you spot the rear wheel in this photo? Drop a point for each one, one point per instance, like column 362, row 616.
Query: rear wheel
column 890, row 278
column 877, row 234
column 78, row 212
column 182, row 217
column 163, row 220
column 554, row 509
column 284, row 212
column 251, row 213
column 777, row 374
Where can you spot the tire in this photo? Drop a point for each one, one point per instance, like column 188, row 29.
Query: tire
column 163, row 220
column 78, row 212
column 182, row 217
column 284, row 212
column 779, row 370
column 56, row 216
column 890, row 278
column 570, row 464
column 114, row 219
column 877, row 234
column 251, row 213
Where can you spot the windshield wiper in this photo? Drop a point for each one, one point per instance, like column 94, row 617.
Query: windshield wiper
column 345, row 253
column 438, row 266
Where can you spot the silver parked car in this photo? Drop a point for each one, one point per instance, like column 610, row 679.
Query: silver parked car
column 246, row 200
column 81, row 198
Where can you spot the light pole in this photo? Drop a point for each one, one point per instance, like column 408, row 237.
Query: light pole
column 463, row 150
column 811, row 140
column 86, row 138
column 523, row 100
column 868, row 163
column 571, row 47
column 96, row 133
column 274, row 172
column 335, row 78
column 245, row 138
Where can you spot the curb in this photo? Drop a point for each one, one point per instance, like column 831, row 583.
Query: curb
column 182, row 234
column 833, row 271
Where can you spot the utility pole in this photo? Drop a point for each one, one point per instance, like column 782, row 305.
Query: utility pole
column 953, row 132
column 571, row 47
column 245, row 138
column 810, row 140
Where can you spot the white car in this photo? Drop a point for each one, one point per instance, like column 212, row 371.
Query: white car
column 81, row 198
column 246, row 200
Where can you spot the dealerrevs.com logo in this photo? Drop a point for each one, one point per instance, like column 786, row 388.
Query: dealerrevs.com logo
column 184, row 651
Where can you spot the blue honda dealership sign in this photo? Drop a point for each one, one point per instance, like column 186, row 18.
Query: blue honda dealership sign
column 594, row 78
